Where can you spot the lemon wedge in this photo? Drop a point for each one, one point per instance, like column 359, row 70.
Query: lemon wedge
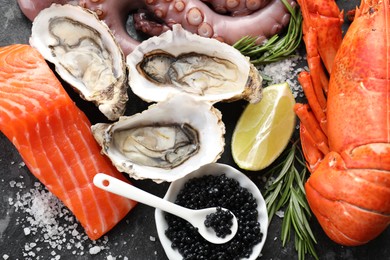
column 264, row 129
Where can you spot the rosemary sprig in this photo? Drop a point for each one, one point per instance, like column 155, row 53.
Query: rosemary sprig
column 287, row 190
column 278, row 47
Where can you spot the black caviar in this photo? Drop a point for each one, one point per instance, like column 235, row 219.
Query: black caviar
column 221, row 221
column 215, row 191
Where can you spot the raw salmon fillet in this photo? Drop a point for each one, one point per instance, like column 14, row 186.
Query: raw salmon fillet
column 54, row 139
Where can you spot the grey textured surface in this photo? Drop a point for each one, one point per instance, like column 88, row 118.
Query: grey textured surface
column 135, row 237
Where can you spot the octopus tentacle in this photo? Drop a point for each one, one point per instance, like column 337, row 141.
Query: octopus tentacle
column 262, row 19
column 115, row 15
column 146, row 24
column 236, row 7
column 197, row 17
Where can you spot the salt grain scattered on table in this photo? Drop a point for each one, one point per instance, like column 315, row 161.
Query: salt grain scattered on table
column 94, row 250
column 285, row 71
column 26, row 231
column 43, row 212
column 279, row 213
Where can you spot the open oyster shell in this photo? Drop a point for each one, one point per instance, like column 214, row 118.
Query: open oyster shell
column 166, row 141
column 178, row 61
column 85, row 55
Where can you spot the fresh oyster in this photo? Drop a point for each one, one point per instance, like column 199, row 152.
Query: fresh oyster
column 178, row 61
column 166, row 141
column 85, row 55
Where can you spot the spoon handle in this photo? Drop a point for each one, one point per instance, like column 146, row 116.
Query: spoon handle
column 116, row 186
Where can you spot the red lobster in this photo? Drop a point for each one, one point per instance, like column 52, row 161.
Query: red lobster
column 345, row 128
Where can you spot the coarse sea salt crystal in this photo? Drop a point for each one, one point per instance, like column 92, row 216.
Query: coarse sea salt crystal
column 26, row 231
column 47, row 223
column 94, row 250
column 285, row 71
column 279, row 213
column 22, row 164
column 269, row 182
column 75, row 232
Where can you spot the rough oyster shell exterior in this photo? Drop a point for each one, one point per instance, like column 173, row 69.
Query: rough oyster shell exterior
column 179, row 110
column 246, row 83
column 85, row 55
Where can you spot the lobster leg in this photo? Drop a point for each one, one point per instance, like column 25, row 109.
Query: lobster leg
column 316, row 67
column 305, row 80
column 312, row 154
column 313, row 140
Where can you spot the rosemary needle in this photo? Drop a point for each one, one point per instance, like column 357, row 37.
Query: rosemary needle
column 287, row 190
column 278, row 47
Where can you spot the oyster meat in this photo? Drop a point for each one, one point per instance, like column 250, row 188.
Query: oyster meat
column 178, row 61
column 193, row 73
column 85, row 55
column 160, row 145
column 166, row 141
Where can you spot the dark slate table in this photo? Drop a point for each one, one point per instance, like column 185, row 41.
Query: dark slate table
column 135, row 237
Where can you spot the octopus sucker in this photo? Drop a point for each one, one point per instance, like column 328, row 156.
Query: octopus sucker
column 258, row 18
column 194, row 16
column 232, row 3
column 179, row 5
column 205, row 30
column 159, row 13
column 254, row 5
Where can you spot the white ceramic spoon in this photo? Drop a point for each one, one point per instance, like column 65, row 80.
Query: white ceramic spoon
column 195, row 217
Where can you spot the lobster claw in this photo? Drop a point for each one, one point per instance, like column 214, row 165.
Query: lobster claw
column 325, row 19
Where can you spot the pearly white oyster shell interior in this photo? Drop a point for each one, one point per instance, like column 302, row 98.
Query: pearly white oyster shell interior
column 166, row 141
column 178, row 61
column 85, row 55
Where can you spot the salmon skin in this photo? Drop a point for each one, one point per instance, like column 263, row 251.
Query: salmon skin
column 54, row 139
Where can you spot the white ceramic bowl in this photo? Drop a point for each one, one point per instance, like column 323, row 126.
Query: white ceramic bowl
column 212, row 169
